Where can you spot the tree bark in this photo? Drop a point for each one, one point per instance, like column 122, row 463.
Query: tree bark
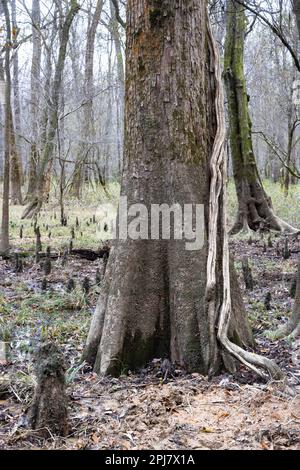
column 159, row 299
column 16, row 172
column 116, row 35
column 16, row 89
column 255, row 209
column 7, row 135
column 48, row 413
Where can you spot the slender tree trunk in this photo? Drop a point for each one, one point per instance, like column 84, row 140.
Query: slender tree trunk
column 115, row 28
column 7, row 135
column 16, row 89
column 16, row 173
column 108, row 123
column 292, row 126
column 47, row 88
column 88, row 124
column 159, row 299
column 255, row 209
column 46, row 157
column 75, row 186
column 34, row 100
column 288, row 162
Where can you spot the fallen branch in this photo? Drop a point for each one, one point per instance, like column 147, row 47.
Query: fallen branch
column 90, row 255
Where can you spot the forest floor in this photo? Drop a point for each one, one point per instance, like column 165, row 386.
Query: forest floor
column 143, row 411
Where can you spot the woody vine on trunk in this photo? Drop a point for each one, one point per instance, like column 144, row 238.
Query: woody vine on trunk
column 157, row 298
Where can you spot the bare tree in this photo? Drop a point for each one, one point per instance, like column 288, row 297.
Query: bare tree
column 88, row 125
column 34, row 98
column 255, row 209
column 45, row 162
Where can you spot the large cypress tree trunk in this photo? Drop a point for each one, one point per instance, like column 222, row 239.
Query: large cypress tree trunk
column 255, row 209
column 158, row 298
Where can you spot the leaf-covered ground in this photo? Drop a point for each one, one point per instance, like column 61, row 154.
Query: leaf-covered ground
column 142, row 411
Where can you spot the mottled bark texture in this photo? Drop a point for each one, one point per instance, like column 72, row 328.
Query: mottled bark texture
column 155, row 300
column 49, row 413
column 255, row 209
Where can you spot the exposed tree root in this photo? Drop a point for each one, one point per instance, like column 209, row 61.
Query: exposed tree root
column 244, row 224
column 264, row 367
column 285, row 227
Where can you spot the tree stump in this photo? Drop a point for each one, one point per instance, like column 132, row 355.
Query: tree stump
column 47, row 266
column 70, row 285
column 38, row 239
column 247, row 274
column 293, row 287
column 286, row 251
column 86, row 285
column 49, row 412
column 267, row 301
column 18, row 264
column 64, row 260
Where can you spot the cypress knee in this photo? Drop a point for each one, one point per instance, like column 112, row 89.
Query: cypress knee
column 247, row 274
column 49, row 412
